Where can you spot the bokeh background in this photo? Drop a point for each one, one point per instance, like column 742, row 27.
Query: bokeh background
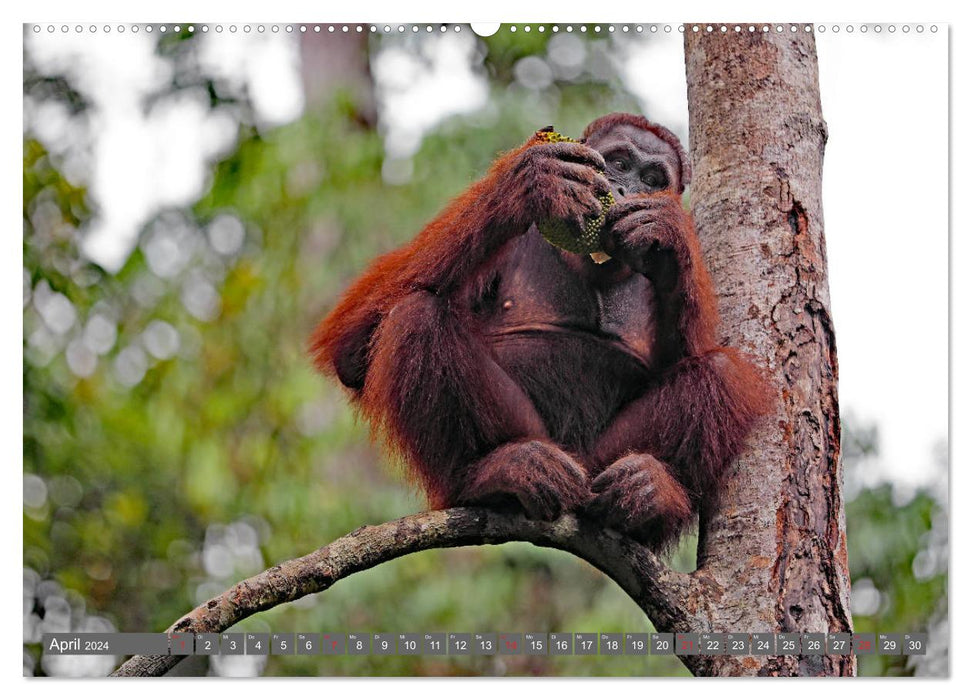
column 194, row 201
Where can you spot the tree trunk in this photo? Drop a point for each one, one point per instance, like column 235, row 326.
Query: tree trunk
column 335, row 61
column 773, row 558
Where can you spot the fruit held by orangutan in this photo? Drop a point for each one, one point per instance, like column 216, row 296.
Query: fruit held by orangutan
column 564, row 235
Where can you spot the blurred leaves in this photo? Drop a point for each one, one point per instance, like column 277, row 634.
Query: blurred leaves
column 898, row 553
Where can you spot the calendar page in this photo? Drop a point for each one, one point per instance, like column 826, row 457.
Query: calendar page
column 358, row 349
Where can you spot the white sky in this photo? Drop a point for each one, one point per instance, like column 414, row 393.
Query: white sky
column 885, row 195
column 143, row 162
column 885, row 181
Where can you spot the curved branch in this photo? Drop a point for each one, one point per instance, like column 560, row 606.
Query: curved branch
column 658, row 590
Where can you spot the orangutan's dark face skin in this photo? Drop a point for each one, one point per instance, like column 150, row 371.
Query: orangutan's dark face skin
column 638, row 161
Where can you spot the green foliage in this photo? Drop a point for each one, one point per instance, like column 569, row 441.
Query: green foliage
column 891, row 560
column 897, row 544
column 506, row 48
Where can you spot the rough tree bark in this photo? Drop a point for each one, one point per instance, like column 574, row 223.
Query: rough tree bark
column 775, row 553
column 772, row 558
